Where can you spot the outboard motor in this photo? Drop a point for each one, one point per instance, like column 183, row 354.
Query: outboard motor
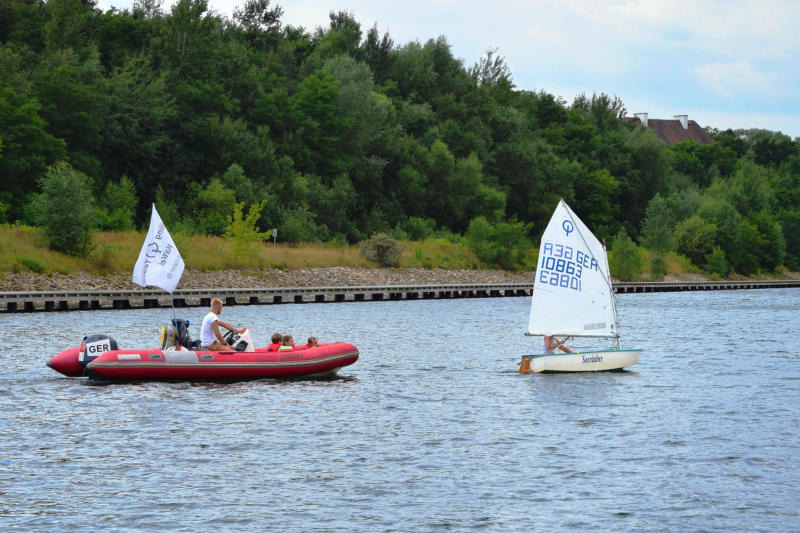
column 178, row 335
column 94, row 346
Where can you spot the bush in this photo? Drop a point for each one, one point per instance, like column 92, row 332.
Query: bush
column 658, row 268
column 382, row 249
column 242, row 230
column 118, row 206
column 695, row 238
column 300, row 225
column 504, row 244
column 64, row 210
column 212, row 206
column 213, row 224
column 625, row 261
column 33, row 264
column 106, row 257
column 717, row 264
column 418, row 229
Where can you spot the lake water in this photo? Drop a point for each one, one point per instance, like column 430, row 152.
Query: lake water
column 431, row 430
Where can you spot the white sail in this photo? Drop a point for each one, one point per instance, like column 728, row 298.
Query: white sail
column 160, row 263
column 572, row 294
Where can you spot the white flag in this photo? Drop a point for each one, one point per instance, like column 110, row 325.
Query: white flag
column 160, row 263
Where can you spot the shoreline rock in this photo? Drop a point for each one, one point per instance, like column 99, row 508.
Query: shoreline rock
column 305, row 277
column 253, row 278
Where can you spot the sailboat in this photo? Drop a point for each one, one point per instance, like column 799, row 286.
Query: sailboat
column 573, row 297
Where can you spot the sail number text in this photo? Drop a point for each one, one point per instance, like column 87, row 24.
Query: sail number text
column 562, row 266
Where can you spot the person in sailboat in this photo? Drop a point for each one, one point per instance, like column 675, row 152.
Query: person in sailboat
column 210, row 336
column 551, row 344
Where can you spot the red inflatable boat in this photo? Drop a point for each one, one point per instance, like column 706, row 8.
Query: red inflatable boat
column 100, row 359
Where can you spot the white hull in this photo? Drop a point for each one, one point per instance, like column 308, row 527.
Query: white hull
column 589, row 361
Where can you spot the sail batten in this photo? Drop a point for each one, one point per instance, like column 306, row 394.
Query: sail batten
column 572, row 292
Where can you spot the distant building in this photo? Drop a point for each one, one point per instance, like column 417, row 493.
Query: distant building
column 679, row 129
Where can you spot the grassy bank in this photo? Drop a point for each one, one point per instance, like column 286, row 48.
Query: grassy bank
column 23, row 249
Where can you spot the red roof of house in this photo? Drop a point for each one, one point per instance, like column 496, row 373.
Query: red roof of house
column 672, row 132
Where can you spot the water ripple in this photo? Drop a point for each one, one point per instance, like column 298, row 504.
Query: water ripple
column 432, row 429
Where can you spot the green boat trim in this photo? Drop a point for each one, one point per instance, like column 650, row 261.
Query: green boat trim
column 585, row 352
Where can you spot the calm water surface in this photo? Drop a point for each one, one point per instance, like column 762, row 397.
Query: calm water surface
column 432, row 429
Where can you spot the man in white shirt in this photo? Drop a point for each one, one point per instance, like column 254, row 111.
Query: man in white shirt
column 210, row 337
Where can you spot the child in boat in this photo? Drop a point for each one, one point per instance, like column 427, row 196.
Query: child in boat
column 312, row 342
column 277, row 341
column 288, row 343
column 551, row 343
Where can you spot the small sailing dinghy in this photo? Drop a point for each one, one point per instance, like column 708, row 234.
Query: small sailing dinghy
column 573, row 297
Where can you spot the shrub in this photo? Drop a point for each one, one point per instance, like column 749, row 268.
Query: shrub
column 106, row 257
column 504, row 244
column 716, row 263
column 64, row 210
column 625, row 261
column 300, row 225
column 658, row 268
column 339, row 239
column 167, row 209
column 695, row 238
column 118, row 206
column 212, row 207
column 382, row 249
column 243, row 231
column 213, row 224
column 33, row 264
column 418, row 229
column 399, row 234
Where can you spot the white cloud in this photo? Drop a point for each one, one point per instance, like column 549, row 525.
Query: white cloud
column 733, row 79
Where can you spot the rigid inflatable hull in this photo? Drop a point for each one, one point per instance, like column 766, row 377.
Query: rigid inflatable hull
column 169, row 365
column 588, row 361
column 67, row 363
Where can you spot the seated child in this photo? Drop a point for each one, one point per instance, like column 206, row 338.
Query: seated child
column 277, row 341
column 312, row 342
column 288, row 343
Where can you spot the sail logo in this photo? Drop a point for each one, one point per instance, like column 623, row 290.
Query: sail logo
column 568, row 227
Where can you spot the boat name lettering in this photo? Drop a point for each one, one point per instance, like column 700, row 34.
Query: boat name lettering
column 592, row 358
column 291, row 356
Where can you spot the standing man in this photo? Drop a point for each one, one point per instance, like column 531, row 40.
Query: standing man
column 210, row 337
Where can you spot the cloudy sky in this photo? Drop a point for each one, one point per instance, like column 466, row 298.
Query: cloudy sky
column 727, row 64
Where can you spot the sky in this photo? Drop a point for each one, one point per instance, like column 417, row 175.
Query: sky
column 727, row 64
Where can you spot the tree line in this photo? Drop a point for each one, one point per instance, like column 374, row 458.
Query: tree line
column 338, row 133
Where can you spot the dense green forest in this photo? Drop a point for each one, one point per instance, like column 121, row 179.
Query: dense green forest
column 340, row 133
